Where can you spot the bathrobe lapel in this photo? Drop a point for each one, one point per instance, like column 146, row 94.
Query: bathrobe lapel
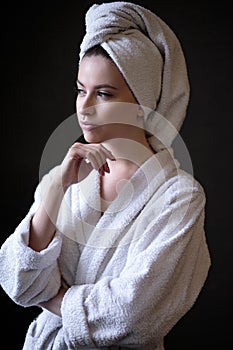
column 112, row 230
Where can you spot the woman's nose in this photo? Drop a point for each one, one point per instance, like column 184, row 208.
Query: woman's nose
column 85, row 105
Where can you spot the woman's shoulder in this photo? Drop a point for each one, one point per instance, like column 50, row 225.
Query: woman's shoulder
column 188, row 181
column 185, row 188
column 173, row 177
column 174, row 184
column 49, row 174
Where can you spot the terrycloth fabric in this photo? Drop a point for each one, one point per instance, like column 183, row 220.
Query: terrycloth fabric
column 132, row 273
column 149, row 56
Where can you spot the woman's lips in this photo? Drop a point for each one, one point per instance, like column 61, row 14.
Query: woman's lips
column 88, row 126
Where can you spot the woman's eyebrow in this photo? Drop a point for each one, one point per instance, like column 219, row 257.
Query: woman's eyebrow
column 100, row 86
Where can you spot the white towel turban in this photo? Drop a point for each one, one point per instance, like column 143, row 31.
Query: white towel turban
column 150, row 58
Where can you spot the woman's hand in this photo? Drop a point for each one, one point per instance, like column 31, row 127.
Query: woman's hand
column 80, row 160
column 54, row 305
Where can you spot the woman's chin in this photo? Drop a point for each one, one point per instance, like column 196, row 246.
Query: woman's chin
column 90, row 138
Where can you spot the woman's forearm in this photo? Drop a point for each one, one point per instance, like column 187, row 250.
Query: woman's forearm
column 43, row 223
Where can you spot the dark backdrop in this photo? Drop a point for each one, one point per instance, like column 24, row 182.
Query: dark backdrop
column 40, row 44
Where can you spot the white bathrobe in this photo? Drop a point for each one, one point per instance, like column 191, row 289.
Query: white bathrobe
column 132, row 273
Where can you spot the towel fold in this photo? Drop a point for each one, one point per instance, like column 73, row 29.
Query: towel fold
column 150, row 58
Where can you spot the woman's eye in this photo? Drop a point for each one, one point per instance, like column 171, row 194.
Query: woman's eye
column 79, row 91
column 104, row 94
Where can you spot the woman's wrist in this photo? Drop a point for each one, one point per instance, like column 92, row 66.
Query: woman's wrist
column 54, row 304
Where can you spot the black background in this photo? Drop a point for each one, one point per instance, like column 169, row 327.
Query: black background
column 40, row 44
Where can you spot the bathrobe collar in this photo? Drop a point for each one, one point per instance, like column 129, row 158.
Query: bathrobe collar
column 112, row 229
column 104, row 230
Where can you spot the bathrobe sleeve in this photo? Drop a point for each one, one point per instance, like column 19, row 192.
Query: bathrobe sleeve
column 27, row 276
column 164, row 273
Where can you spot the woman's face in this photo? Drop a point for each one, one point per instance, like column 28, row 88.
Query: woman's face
column 106, row 107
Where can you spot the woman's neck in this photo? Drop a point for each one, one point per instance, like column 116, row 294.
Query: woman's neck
column 129, row 153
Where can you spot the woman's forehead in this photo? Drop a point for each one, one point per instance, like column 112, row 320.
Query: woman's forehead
column 99, row 69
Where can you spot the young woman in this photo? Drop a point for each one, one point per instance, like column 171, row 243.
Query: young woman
column 113, row 248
